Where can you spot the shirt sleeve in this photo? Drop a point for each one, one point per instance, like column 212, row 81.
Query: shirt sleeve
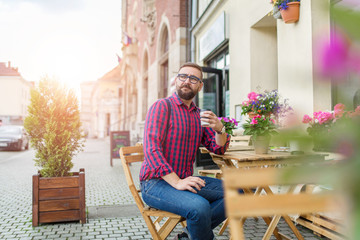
column 154, row 137
column 208, row 141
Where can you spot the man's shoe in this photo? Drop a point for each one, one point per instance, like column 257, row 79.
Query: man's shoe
column 182, row 236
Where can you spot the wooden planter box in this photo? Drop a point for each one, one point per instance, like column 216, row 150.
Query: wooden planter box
column 59, row 199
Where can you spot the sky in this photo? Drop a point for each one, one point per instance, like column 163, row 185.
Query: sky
column 70, row 40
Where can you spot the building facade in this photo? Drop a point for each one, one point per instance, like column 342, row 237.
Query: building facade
column 245, row 49
column 101, row 104
column 14, row 95
column 155, row 39
column 86, row 114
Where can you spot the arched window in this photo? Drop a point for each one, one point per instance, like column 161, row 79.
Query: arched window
column 145, row 85
column 164, row 63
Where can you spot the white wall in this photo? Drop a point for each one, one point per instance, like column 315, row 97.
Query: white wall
column 14, row 96
column 253, row 41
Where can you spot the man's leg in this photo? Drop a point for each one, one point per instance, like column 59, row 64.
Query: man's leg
column 214, row 193
column 197, row 210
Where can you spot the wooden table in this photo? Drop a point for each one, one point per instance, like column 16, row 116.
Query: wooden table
column 242, row 159
column 249, row 159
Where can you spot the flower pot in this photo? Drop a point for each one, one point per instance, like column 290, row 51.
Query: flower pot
column 252, row 114
column 291, row 14
column 261, row 144
column 59, row 199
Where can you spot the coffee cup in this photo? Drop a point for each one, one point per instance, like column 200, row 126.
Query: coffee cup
column 203, row 123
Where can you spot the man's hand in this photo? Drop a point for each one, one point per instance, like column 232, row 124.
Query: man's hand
column 213, row 120
column 190, row 183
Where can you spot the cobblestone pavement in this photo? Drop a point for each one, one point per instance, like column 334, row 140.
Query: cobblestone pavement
column 112, row 213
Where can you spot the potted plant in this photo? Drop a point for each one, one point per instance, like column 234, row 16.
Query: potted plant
column 289, row 10
column 230, row 124
column 266, row 103
column 53, row 123
column 261, row 128
column 322, row 123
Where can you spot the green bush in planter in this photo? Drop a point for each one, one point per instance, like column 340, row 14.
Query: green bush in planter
column 53, row 123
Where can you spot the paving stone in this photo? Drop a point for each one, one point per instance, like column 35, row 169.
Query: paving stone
column 106, row 189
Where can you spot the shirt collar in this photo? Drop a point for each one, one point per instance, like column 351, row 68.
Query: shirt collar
column 179, row 102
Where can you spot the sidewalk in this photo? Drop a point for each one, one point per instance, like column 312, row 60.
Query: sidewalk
column 112, row 213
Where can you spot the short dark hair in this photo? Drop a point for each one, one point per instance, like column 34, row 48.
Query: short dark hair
column 194, row 65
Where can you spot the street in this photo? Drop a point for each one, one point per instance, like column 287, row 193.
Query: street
column 112, row 213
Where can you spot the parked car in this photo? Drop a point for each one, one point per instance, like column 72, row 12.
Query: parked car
column 13, row 137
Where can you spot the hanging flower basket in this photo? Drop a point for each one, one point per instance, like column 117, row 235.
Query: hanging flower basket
column 291, row 14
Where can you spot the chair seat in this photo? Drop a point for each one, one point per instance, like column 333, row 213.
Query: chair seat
column 217, row 173
column 150, row 211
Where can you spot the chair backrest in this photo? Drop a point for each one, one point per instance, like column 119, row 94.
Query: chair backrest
column 130, row 155
column 243, row 140
column 239, row 206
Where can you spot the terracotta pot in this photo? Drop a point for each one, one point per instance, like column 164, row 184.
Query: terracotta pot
column 291, row 14
column 261, row 144
column 253, row 114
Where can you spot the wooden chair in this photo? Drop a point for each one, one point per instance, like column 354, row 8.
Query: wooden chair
column 242, row 140
column 240, row 206
column 153, row 217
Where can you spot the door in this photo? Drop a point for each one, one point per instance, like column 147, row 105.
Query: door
column 211, row 97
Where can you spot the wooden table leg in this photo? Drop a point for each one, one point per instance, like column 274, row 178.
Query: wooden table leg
column 293, row 227
column 276, row 231
column 223, row 227
column 286, row 217
column 272, row 227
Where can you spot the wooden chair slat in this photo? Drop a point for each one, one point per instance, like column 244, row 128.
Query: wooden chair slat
column 240, row 206
column 278, row 204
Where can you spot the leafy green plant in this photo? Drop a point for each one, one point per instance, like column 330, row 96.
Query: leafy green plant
column 260, row 125
column 53, row 123
column 229, row 124
column 268, row 102
column 321, row 125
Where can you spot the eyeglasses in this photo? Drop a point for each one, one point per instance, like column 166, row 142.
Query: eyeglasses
column 193, row 79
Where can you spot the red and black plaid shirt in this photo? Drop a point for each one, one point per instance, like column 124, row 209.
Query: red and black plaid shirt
column 177, row 152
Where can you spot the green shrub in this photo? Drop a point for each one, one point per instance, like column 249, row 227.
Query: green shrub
column 53, row 123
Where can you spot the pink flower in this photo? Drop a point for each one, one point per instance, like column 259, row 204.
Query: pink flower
column 354, row 113
column 325, row 117
column 333, row 60
column 253, row 96
column 257, row 116
column 273, row 121
column 245, row 103
column 338, row 57
column 339, row 110
column 306, row 119
column 254, row 121
column 357, row 109
column 234, row 121
column 226, row 119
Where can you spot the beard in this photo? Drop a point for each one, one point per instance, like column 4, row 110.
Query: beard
column 186, row 95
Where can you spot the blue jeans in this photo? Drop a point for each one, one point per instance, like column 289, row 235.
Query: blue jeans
column 203, row 210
